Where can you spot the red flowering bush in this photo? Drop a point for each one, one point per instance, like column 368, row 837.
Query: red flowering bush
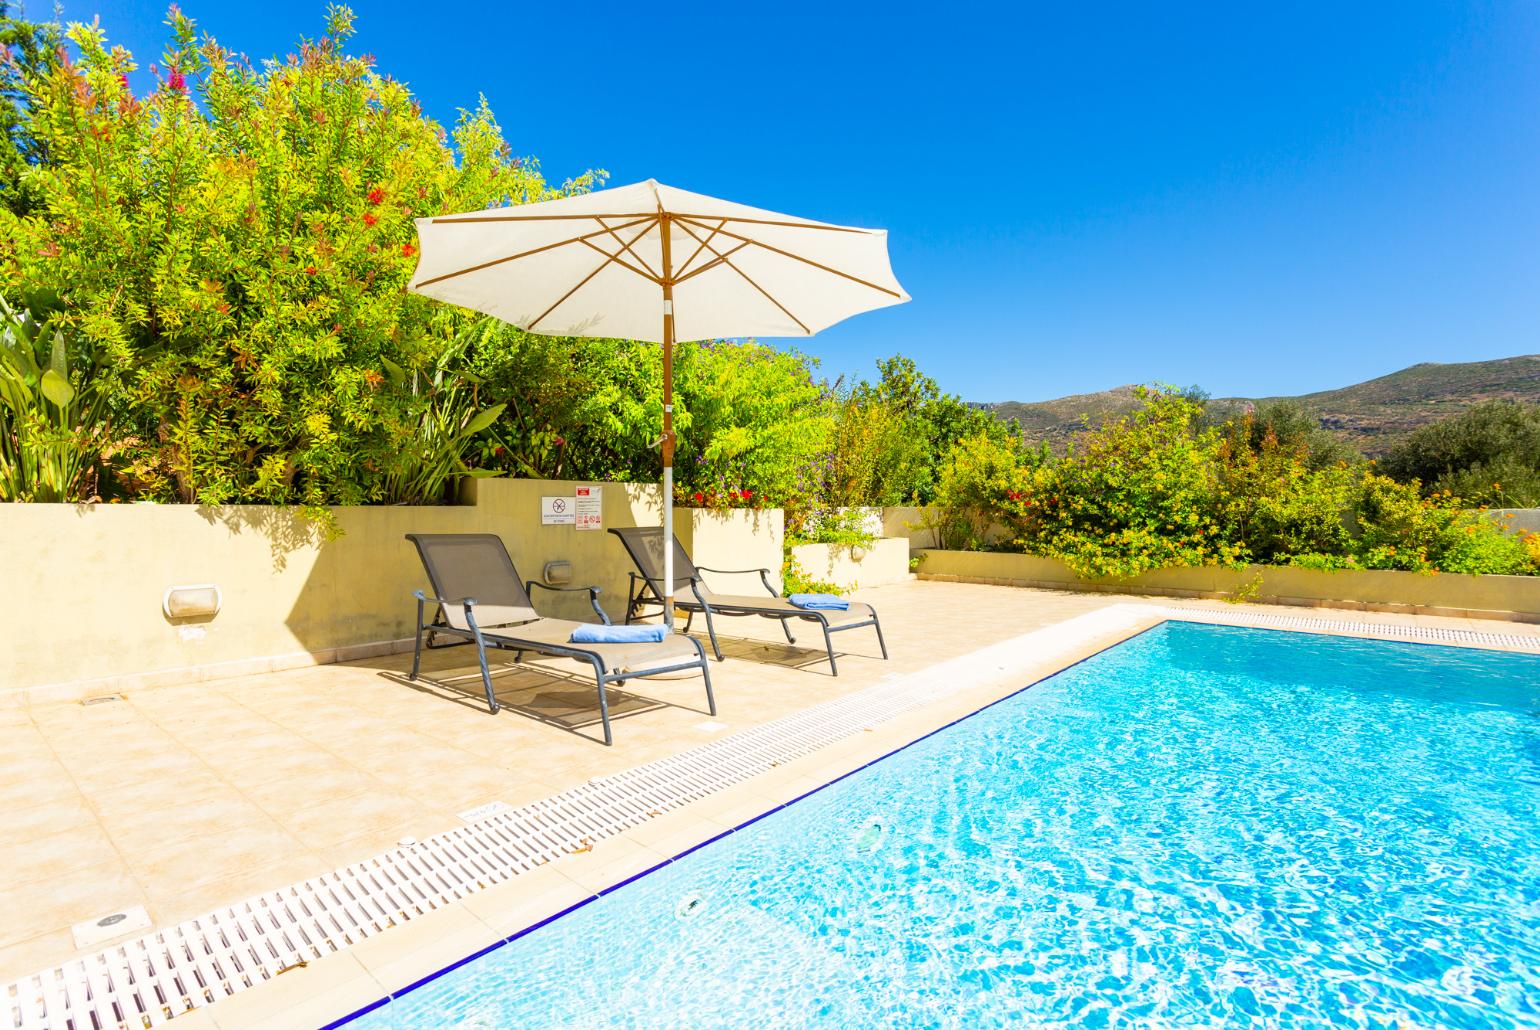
column 235, row 245
column 716, row 500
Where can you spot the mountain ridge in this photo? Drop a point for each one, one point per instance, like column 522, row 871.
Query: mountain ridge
column 1372, row 414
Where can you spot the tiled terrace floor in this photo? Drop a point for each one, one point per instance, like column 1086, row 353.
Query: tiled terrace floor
column 182, row 799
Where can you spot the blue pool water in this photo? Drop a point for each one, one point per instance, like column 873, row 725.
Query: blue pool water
column 1200, row 826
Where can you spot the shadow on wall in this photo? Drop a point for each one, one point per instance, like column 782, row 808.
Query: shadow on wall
column 286, row 529
column 292, row 590
column 356, row 587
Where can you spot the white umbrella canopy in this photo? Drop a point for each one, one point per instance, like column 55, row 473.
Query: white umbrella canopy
column 651, row 262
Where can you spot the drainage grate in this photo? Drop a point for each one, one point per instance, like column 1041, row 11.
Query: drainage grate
column 1376, row 630
column 151, row 979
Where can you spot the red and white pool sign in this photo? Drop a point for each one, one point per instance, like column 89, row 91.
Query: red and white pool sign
column 590, row 507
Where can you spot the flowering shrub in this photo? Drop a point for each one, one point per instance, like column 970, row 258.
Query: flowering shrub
column 235, row 245
column 1143, row 492
column 1158, row 489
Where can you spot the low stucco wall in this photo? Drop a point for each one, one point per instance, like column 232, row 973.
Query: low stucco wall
column 1493, row 597
column 81, row 608
column 886, row 561
column 1516, row 520
column 916, row 524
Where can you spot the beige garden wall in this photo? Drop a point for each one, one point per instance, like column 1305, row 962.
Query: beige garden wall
column 1494, row 597
column 885, row 561
column 81, row 605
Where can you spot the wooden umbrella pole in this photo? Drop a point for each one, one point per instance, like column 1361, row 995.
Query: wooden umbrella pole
column 668, row 424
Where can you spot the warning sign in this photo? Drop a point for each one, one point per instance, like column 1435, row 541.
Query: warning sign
column 590, row 507
column 557, row 511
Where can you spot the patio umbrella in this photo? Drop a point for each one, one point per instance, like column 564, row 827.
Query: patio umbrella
column 650, row 262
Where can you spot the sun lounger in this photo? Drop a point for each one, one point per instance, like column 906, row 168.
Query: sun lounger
column 480, row 599
column 692, row 595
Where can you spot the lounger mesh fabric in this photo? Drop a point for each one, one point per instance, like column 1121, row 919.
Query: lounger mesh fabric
column 645, row 543
column 476, row 566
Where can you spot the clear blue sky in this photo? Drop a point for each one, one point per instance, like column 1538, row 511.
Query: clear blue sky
column 1254, row 198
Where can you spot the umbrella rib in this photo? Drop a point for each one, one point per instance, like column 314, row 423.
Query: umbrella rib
column 453, row 219
column 626, row 247
column 709, row 265
column 585, row 280
column 766, row 293
column 679, row 275
column 795, row 257
column 768, row 221
column 538, row 250
column 616, row 258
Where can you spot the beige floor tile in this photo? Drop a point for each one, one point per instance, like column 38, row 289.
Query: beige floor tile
column 610, row 862
column 136, row 800
column 109, row 770
column 138, row 833
column 39, row 859
column 330, row 823
column 171, row 904
column 190, row 863
column 23, row 958
column 281, row 798
column 45, row 820
column 43, row 784
column 66, row 899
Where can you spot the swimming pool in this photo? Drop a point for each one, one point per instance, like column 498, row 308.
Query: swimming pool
column 1201, row 825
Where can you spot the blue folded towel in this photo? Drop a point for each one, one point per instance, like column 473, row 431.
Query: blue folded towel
column 589, row 633
column 819, row 602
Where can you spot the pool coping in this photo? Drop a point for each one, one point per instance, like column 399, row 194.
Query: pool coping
column 822, row 745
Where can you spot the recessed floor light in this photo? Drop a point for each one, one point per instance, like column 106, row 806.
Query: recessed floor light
column 115, row 924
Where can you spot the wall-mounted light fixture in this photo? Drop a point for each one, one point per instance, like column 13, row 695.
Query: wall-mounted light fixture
column 191, row 602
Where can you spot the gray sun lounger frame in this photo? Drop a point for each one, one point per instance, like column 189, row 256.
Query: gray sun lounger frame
column 509, row 592
column 646, row 592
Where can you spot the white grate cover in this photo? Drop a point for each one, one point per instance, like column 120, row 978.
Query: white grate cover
column 153, row 978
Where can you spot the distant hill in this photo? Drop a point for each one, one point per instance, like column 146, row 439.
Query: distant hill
column 1371, row 415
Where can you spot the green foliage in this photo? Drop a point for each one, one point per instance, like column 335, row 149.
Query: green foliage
column 795, row 580
column 234, row 245
column 1278, row 496
column 1159, row 488
column 53, row 418
column 877, row 456
column 429, row 462
column 1398, row 529
column 27, row 50
column 985, row 482
column 1293, row 428
column 1489, row 455
column 1139, row 493
column 752, row 420
column 841, row 527
column 920, row 426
